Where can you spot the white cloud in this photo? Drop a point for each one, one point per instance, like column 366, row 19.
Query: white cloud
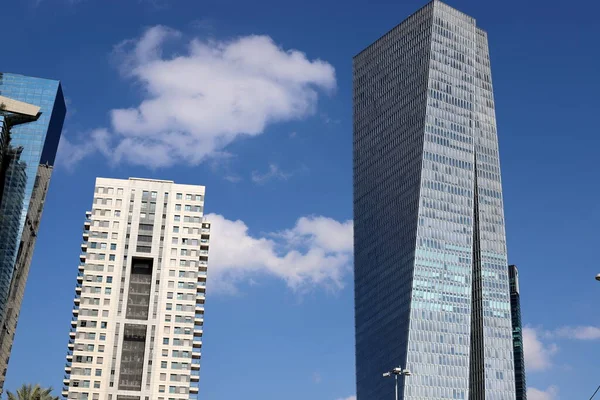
column 233, row 178
column 329, row 121
column 577, row 333
column 69, row 154
column 549, row 394
column 316, row 251
column 317, row 378
column 538, row 356
column 348, row 398
column 200, row 100
column 274, row 172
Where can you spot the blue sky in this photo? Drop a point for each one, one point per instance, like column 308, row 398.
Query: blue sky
column 276, row 158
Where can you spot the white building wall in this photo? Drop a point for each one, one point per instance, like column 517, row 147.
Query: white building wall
column 179, row 253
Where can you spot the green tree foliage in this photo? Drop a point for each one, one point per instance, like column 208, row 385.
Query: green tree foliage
column 32, row 392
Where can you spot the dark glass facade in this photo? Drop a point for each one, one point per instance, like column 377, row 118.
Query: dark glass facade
column 28, row 149
column 431, row 276
column 515, row 308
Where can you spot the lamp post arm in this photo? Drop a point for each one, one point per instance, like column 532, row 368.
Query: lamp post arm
column 595, row 393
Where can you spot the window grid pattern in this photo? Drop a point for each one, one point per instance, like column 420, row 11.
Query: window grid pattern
column 166, row 357
column 437, row 303
column 390, row 94
column 26, row 155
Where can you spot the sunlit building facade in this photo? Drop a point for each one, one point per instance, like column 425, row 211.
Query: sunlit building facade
column 431, row 272
column 138, row 312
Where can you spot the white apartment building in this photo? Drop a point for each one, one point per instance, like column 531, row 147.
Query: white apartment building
column 139, row 304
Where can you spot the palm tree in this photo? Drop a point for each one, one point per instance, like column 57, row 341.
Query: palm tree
column 32, row 392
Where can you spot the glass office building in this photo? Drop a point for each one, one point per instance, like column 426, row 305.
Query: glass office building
column 431, row 272
column 515, row 307
column 32, row 112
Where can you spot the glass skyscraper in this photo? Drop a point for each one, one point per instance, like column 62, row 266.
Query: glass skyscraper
column 431, row 272
column 32, row 112
column 515, row 306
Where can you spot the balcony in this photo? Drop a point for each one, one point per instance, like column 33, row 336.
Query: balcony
column 66, row 380
column 84, row 246
column 65, row 392
column 83, row 256
column 69, row 357
column 68, row 367
column 198, row 336
column 72, row 334
column 71, row 345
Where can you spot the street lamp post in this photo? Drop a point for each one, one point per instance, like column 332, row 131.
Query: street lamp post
column 396, row 372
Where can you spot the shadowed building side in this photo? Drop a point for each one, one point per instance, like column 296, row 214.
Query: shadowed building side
column 515, row 308
column 32, row 112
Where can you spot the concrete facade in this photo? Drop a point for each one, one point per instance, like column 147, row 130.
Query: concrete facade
column 139, row 306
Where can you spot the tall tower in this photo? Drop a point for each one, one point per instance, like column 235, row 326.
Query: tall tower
column 32, row 112
column 431, row 271
column 139, row 305
column 515, row 310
